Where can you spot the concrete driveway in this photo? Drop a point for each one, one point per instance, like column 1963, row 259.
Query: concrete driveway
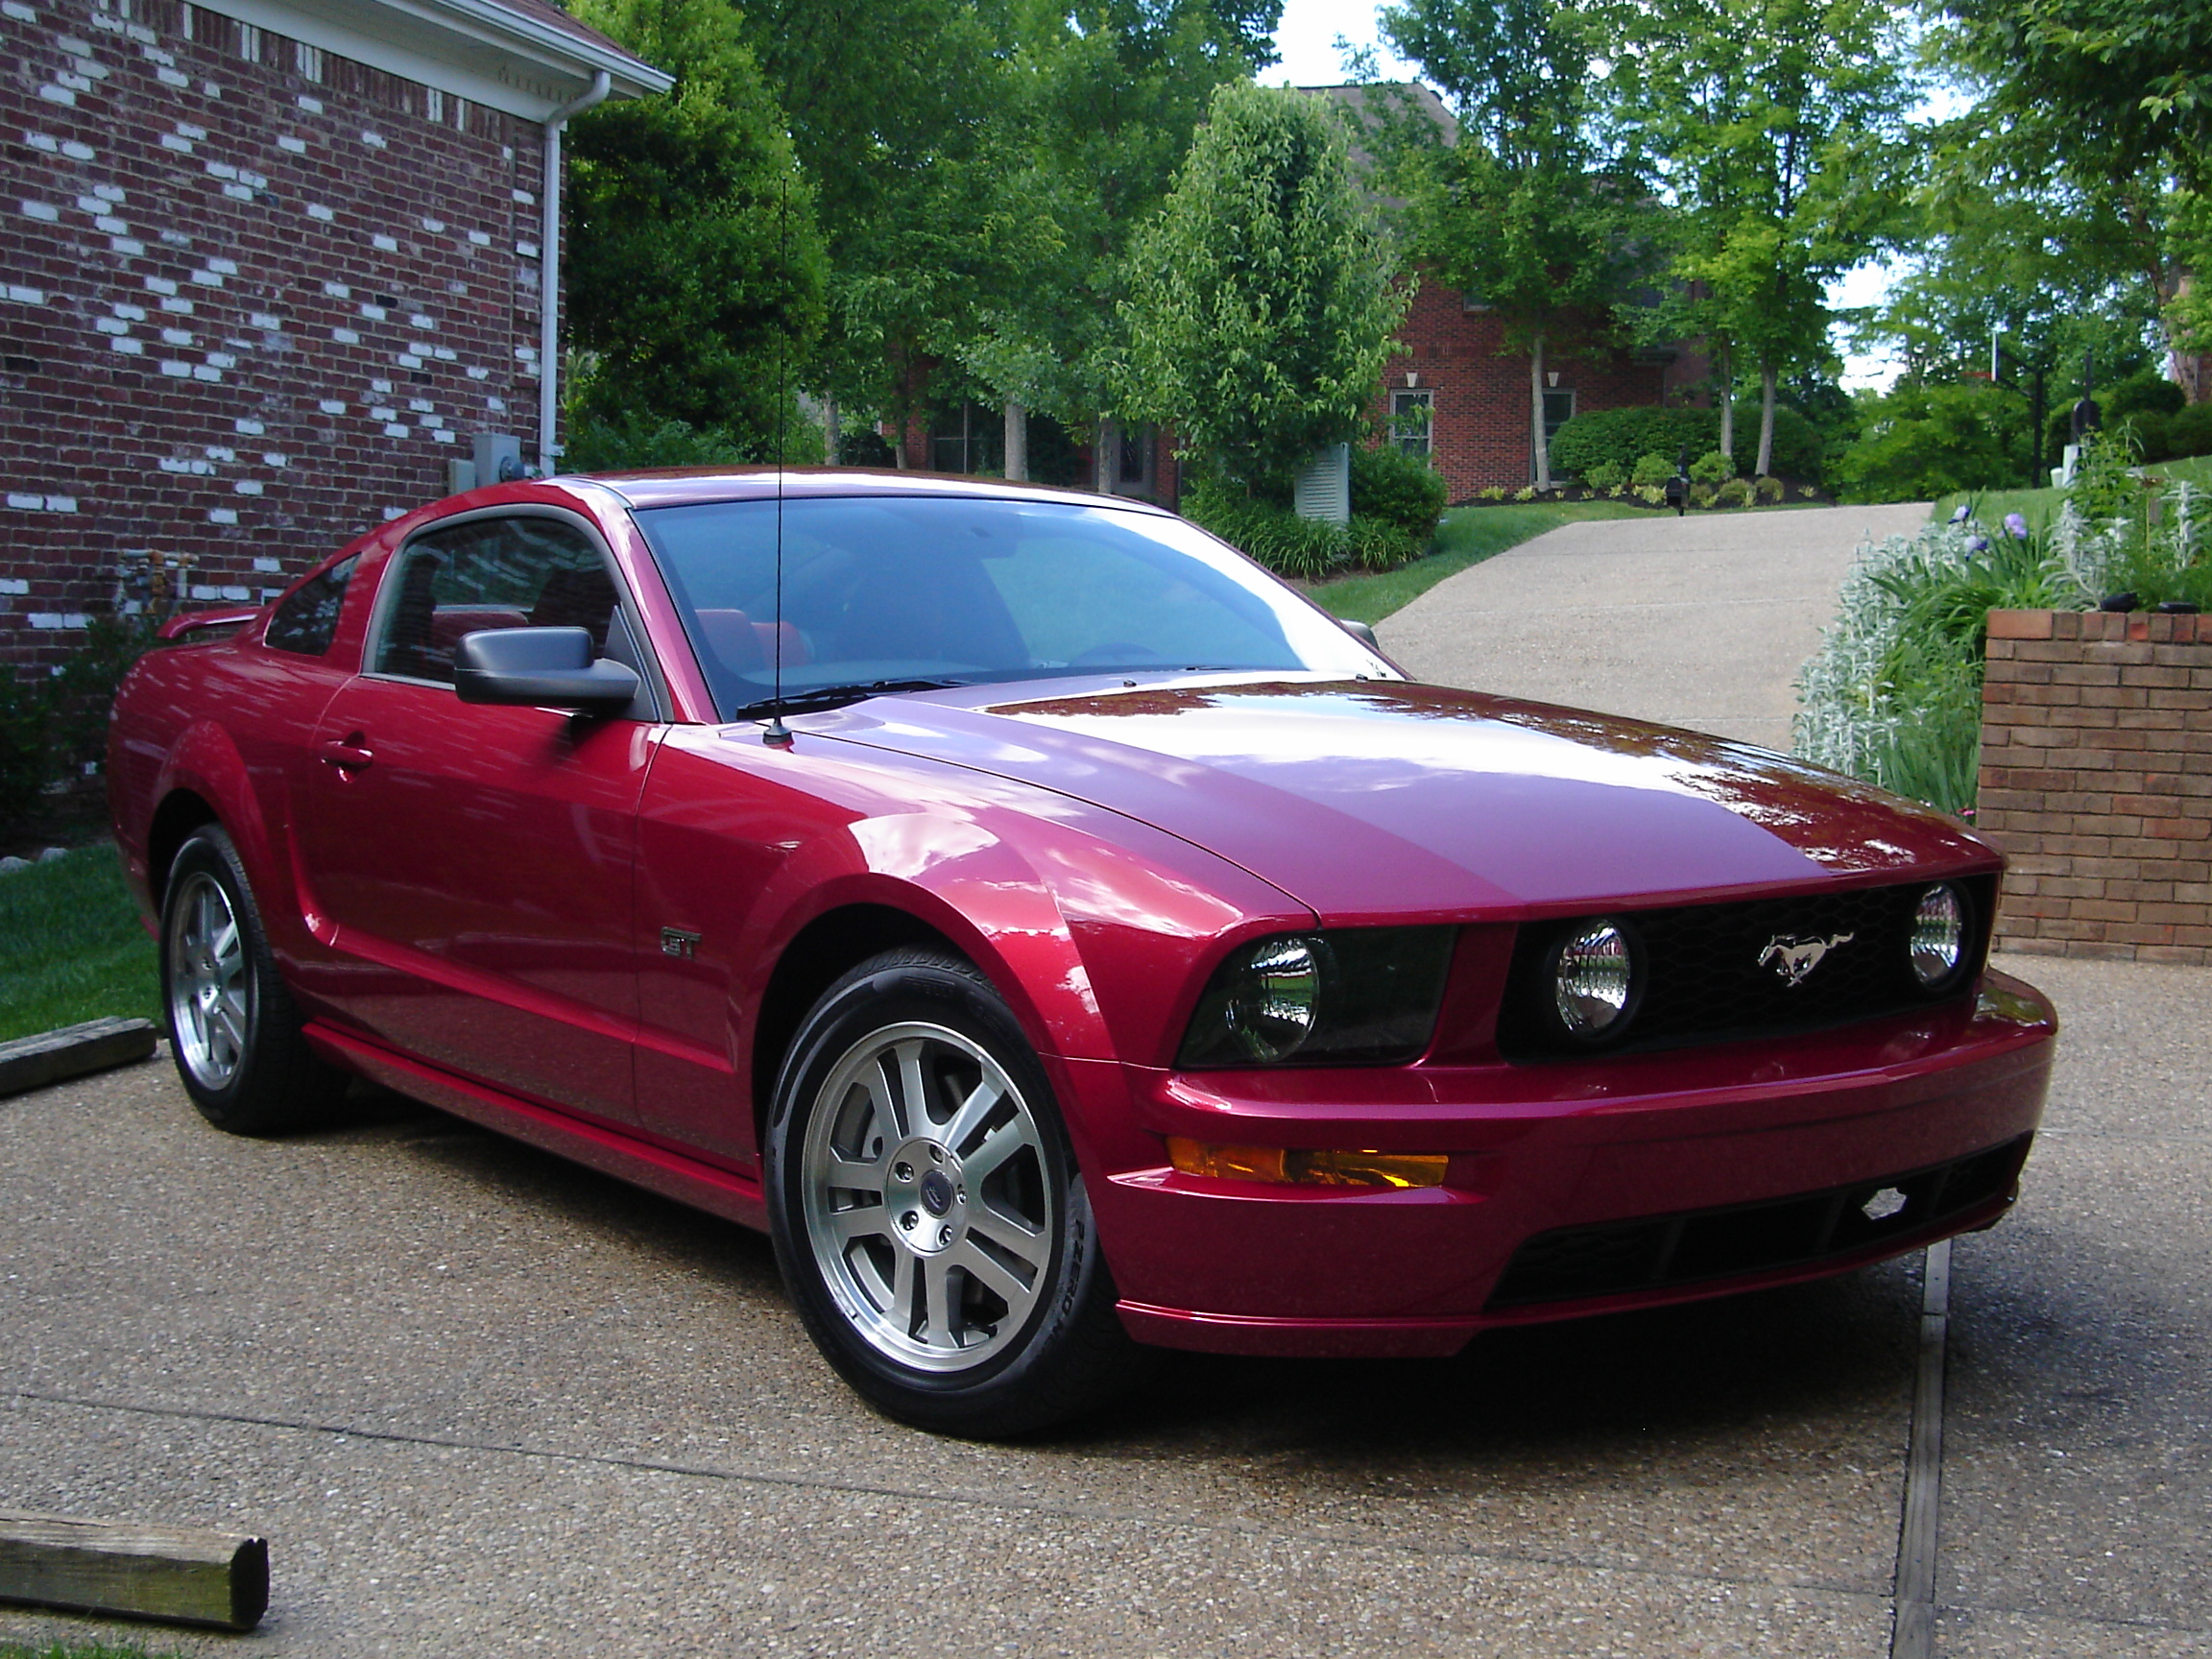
column 484, row 1402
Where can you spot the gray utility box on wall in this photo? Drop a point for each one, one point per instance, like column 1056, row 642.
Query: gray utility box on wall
column 498, row 460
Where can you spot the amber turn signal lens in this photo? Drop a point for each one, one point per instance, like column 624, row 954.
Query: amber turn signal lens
column 1295, row 1169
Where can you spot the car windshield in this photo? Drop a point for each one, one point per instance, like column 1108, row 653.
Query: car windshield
column 893, row 594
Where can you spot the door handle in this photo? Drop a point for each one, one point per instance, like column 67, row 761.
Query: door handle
column 347, row 753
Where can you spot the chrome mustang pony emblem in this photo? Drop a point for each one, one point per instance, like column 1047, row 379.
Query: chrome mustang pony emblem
column 1795, row 955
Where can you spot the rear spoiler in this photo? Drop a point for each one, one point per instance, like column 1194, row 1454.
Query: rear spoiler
column 194, row 621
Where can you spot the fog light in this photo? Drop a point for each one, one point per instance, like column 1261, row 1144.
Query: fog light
column 1594, row 981
column 1939, row 936
column 1289, row 1167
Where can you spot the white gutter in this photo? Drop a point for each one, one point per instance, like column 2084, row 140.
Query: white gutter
column 549, row 275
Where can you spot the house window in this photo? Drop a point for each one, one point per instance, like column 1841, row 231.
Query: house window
column 1558, row 410
column 974, row 441
column 1411, row 421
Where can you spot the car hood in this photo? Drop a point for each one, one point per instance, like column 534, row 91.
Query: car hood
column 1370, row 798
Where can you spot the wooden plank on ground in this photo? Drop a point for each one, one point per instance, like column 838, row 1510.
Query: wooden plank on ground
column 177, row 1575
column 51, row 1057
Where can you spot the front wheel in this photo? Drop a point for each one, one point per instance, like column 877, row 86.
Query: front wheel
column 233, row 1027
column 929, row 1216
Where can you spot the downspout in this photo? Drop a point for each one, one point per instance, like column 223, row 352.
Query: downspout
column 549, row 275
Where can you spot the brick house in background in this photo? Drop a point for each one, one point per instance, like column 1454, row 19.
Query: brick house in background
column 266, row 267
column 1452, row 392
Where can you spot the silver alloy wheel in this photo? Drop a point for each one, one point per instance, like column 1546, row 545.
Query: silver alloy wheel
column 210, row 987
column 929, row 1208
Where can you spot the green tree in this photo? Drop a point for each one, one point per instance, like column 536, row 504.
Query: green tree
column 695, row 266
column 1525, row 215
column 1264, row 303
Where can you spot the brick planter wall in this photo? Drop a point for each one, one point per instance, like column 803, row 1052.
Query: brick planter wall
column 2096, row 782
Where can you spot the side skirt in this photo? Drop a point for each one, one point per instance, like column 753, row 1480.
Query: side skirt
column 687, row 1180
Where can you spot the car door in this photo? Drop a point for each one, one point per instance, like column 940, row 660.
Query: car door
column 476, row 862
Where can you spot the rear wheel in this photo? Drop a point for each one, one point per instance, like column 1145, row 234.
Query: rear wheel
column 929, row 1216
column 232, row 1028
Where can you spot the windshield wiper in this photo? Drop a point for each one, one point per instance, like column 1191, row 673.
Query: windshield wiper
column 831, row 696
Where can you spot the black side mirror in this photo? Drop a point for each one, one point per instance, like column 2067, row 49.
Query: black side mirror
column 540, row 668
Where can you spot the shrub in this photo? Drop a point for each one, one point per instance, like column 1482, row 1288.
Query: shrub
column 1269, row 535
column 2190, row 431
column 1736, row 493
column 53, row 726
column 1606, row 475
column 1527, row 492
column 1398, row 489
column 1922, row 441
column 1617, row 491
column 1651, row 495
column 1769, row 488
column 1712, row 467
column 1492, row 493
column 628, row 439
column 2149, row 431
column 1623, row 435
column 1379, row 545
column 1652, row 469
column 1703, row 496
column 2146, row 392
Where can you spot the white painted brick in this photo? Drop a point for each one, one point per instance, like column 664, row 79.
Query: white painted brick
column 315, row 210
column 110, row 193
column 480, row 238
column 430, row 421
column 391, row 512
column 235, row 592
column 313, row 105
column 443, row 436
column 436, row 227
column 219, row 452
column 270, row 458
column 373, row 312
column 207, row 591
column 154, row 53
column 201, row 372
column 138, row 32
column 175, row 239
column 384, row 243
column 250, row 428
column 418, row 321
column 223, row 267
column 77, row 152
column 67, row 98
column 90, row 204
column 264, row 319
column 113, row 226
column 124, row 308
column 101, row 20
column 188, row 130
column 381, row 387
column 178, row 307
column 181, row 370
column 237, row 192
column 446, row 354
column 59, row 619
column 208, row 90
column 110, row 325
column 379, row 414
column 526, row 250
column 421, row 405
column 268, row 567
column 375, row 140
column 189, row 464
column 21, row 12
column 252, row 180
column 221, row 170
column 497, row 405
column 332, row 407
column 61, row 503
column 269, row 593
column 247, row 486
column 337, row 290
column 161, row 286
column 40, row 142
column 408, row 360
column 23, row 296
column 221, row 360
column 132, row 347
column 41, row 210
column 176, row 337
column 75, row 47
column 475, row 374
column 126, row 245
column 525, row 198
column 28, row 503
column 526, row 354
column 420, row 347
column 297, row 146
column 76, row 82
column 395, row 431
column 221, row 515
column 207, row 279
column 346, row 336
column 13, row 585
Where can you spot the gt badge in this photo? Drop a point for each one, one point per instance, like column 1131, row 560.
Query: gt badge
column 1795, row 955
column 677, row 942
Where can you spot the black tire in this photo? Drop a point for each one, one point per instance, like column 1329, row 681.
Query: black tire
column 970, row 1296
column 233, row 1030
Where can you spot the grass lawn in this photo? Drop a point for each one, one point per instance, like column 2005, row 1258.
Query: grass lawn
column 71, row 948
column 1468, row 536
column 2038, row 506
column 79, row 1650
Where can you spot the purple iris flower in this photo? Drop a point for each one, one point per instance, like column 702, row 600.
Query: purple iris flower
column 2015, row 526
column 1963, row 515
column 1979, row 545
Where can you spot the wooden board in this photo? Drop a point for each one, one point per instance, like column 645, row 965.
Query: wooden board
column 51, row 1057
column 178, row 1575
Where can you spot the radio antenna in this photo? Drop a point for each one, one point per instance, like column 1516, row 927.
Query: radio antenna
column 779, row 736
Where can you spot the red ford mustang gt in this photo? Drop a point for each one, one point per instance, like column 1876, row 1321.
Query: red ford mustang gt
column 1061, row 937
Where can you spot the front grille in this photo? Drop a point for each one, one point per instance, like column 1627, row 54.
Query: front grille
column 1703, row 981
column 1656, row 1252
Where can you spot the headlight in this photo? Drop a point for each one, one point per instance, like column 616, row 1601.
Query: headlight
column 1594, row 981
column 1938, row 937
column 1365, row 994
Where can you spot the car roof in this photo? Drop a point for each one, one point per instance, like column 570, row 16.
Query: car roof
column 692, row 486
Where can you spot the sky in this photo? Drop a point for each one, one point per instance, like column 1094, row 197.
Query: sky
column 1305, row 39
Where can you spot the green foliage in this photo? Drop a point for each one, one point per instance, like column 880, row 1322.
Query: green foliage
column 621, row 440
column 1626, row 436
column 1377, row 545
column 1703, row 496
column 1734, row 492
column 1467, row 535
column 1306, row 549
column 1769, row 488
column 1399, row 489
column 25, row 767
column 1266, row 306
column 2145, row 391
column 1921, row 442
column 53, row 726
column 2190, row 432
column 695, row 266
column 1607, row 475
column 71, row 948
column 1714, row 466
column 1651, row 470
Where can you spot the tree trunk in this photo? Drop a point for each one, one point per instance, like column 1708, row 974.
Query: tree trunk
column 1016, row 440
column 1765, row 421
column 1109, row 457
column 1539, row 447
column 1728, row 402
column 897, row 439
column 832, row 431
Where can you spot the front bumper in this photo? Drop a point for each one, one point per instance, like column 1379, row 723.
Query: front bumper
column 1730, row 1169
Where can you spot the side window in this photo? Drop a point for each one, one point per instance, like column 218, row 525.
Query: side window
column 307, row 620
column 490, row 573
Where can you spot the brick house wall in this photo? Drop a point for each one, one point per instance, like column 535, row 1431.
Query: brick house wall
column 2096, row 782
column 1479, row 424
column 256, row 297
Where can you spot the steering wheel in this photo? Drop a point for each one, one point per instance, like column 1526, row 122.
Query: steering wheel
column 1116, row 651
